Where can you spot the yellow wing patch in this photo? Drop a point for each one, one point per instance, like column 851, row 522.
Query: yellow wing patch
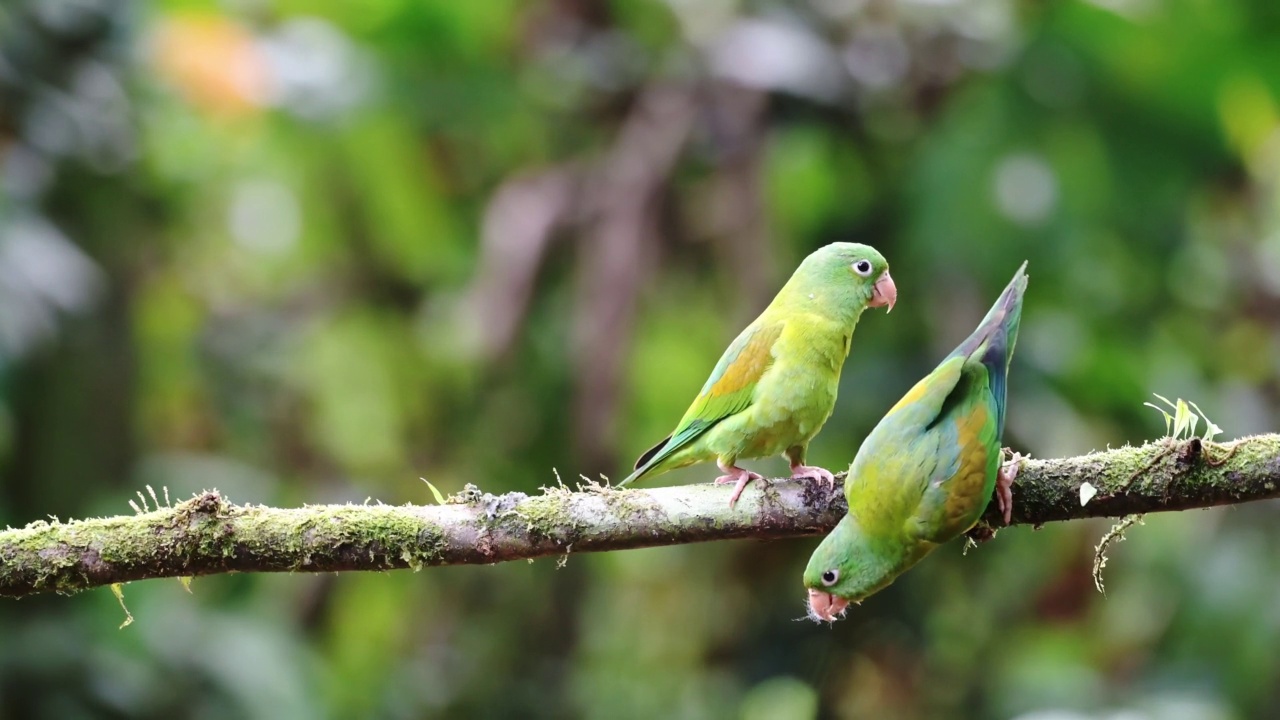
column 914, row 394
column 744, row 370
column 934, row 387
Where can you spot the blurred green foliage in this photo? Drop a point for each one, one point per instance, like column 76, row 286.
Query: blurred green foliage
column 313, row 251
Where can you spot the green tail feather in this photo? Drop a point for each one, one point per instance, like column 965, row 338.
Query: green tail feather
column 646, row 461
column 992, row 343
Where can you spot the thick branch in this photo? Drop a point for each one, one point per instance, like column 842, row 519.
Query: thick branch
column 208, row 535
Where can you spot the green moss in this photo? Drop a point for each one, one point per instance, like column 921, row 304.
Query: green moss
column 421, row 542
column 633, row 507
column 545, row 516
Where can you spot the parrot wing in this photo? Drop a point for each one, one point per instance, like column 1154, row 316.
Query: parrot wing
column 962, row 440
column 728, row 391
column 940, row 438
column 900, row 456
column 963, row 446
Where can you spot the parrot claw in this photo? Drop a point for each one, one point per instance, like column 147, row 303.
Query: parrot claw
column 742, row 477
column 813, row 472
column 1004, row 486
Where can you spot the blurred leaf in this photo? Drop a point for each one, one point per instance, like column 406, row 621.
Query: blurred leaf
column 780, row 697
column 408, row 223
column 434, row 492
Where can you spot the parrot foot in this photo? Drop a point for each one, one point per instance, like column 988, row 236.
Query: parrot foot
column 735, row 474
column 813, row 472
column 1004, row 486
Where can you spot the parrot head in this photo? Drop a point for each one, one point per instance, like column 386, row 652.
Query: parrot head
column 849, row 274
column 844, row 570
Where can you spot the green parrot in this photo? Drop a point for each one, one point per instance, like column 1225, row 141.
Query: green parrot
column 776, row 384
column 926, row 472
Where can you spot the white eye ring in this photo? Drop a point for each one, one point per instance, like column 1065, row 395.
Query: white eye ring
column 862, row 267
column 830, row 577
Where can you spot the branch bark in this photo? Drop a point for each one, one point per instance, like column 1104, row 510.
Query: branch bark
column 208, row 534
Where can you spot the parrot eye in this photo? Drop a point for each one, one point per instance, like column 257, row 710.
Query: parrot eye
column 862, row 267
column 830, row 577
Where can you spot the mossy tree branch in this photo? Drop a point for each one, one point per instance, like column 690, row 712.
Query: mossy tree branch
column 208, row 535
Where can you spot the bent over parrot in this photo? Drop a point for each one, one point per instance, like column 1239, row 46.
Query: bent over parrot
column 775, row 386
column 926, row 472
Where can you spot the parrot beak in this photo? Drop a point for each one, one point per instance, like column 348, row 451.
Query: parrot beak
column 826, row 607
column 884, row 292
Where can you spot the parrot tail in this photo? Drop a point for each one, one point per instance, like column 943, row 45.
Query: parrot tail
column 992, row 343
column 646, row 461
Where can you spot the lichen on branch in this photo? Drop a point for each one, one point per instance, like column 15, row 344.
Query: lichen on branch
column 208, row 534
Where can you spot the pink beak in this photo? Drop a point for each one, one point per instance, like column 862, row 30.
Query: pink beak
column 884, row 292
column 824, row 606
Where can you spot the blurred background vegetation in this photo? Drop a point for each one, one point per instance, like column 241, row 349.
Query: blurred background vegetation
column 309, row 252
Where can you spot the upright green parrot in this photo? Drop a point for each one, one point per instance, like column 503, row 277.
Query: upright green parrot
column 775, row 386
column 926, row 472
